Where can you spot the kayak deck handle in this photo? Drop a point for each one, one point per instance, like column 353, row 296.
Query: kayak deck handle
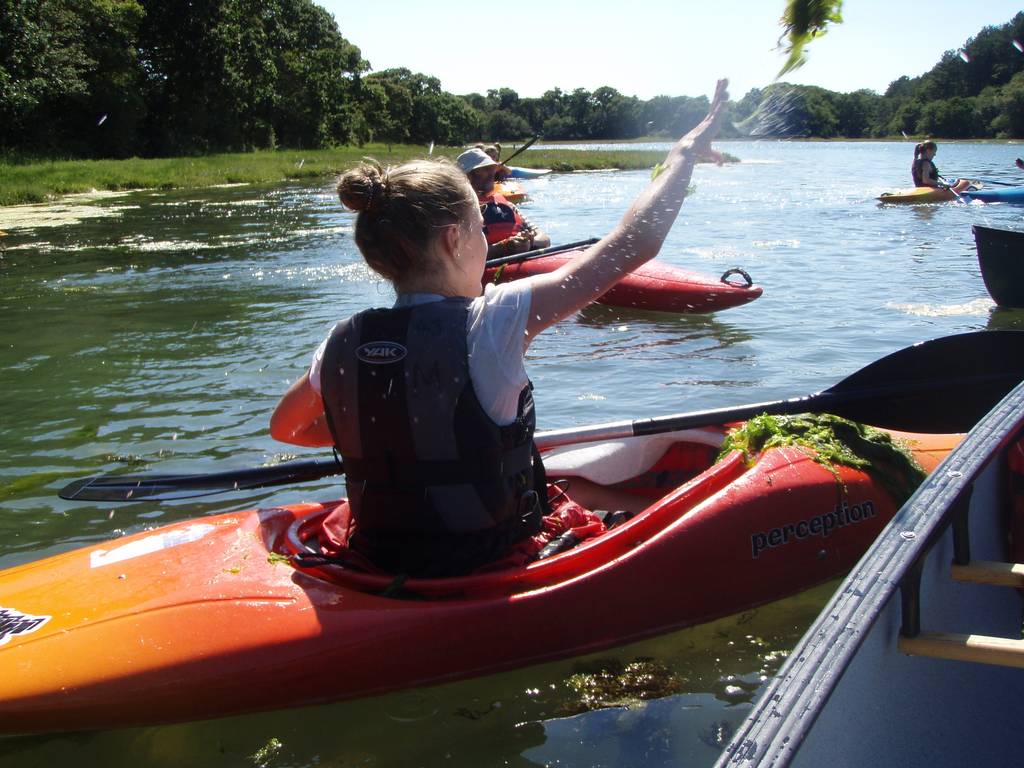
column 737, row 271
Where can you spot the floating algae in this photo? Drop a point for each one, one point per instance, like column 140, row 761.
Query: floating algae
column 831, row 440
column 610, row 683
column 262, row 756
column 30, row 483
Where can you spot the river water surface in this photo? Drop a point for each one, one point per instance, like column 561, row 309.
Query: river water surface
column 156, row 330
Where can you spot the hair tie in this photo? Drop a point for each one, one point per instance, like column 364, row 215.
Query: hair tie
column 375, row 195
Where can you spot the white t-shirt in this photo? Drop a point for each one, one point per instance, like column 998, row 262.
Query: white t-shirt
column 496, row 334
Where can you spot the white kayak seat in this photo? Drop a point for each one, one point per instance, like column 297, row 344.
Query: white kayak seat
column 614, row 461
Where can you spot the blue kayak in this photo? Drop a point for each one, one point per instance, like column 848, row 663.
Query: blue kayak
column 528, row 173
column 1003, row 195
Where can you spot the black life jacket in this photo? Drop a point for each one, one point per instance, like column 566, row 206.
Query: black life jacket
column 924, row 169
column 435, row 486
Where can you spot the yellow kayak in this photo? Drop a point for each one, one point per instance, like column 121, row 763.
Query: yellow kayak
column 919, row 195
column 511, row 190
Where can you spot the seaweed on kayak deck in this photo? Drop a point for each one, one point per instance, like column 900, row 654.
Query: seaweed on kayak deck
column 832, row 440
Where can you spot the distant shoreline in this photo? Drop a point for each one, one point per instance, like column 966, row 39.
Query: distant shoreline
column 39, row 180
column 43, row 180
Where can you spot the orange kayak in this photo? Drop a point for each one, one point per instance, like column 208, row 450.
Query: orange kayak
column 234, row 613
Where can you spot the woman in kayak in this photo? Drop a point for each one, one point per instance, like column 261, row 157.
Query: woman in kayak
column 925, row 173
column 428, row 402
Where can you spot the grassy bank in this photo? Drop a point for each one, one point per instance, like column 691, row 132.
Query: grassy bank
column 35, row 181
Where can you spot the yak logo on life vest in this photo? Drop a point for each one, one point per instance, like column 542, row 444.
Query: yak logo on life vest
column 381, row 352
column 14, row 622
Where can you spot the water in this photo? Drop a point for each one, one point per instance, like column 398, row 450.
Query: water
column 157, row 329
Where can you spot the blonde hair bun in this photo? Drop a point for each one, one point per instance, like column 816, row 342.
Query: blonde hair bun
column 363, row 188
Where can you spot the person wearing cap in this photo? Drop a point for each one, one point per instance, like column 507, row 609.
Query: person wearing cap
column 494, row 152
column 506, row 229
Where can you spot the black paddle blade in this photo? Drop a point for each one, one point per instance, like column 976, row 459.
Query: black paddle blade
column 168, row 487
column 943, row 385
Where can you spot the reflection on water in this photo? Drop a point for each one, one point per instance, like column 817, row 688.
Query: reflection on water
column 155, row 331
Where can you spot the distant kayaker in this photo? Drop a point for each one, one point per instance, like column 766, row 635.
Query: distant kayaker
column 493, row 151
column 925, row 173
column 428, row 402
column 506, row 229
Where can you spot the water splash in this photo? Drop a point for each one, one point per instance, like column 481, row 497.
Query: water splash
column 779, row 115
column 978, row 307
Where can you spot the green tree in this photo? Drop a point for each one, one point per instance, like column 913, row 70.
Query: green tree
column 69, row 77
column 1011, row 122
column 503, row 124
column 855, row 113
column 950, row 118
column 318, row 87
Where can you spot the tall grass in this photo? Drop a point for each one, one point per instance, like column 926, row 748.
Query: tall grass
column 30, row 180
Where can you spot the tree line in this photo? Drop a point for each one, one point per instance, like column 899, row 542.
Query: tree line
column 116, row 78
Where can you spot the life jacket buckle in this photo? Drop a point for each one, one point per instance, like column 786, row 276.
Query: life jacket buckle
column 531, row 513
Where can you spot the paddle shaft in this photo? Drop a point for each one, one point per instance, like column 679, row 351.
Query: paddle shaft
column 949, row 186
column 840, row 403
column 522, row 149
column 943, row 385
column 539, row 252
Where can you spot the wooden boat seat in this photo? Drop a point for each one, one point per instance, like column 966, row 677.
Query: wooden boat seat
column 980, row 649
column 989, row 572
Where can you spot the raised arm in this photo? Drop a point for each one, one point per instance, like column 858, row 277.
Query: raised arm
column 636, row 239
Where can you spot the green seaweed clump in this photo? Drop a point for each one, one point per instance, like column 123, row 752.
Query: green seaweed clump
column 610, row 683
column 831, row 440
column 262, row 756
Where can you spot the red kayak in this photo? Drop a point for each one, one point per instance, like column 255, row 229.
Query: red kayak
column 235, row 612
column 654, row 286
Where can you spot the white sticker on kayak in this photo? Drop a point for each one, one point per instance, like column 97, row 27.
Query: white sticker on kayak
column 14, row 622
column 147, row 546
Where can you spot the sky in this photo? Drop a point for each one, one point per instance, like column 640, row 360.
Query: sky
column 646, row 48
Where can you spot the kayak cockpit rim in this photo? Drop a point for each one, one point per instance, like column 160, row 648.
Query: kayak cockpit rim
column 298, row 539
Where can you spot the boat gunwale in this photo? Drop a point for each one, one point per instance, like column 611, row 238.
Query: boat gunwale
column 789, row 706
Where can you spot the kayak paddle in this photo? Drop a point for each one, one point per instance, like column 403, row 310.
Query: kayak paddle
column 949, row 186
column 943, row 385
column 538, row 252
column 159, row 487
column 522, row 149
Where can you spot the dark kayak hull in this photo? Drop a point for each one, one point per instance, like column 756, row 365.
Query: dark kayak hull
column 1001, row 258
